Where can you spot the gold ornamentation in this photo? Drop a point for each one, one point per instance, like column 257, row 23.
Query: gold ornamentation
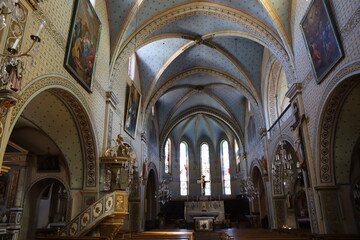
column 118, row 150
column 119, row 203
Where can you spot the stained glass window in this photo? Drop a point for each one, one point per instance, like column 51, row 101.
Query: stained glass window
column 184, row 166
column 131, row 66
column 225, row 167
column 205, row 167
column 168, row 156
column 237, row 155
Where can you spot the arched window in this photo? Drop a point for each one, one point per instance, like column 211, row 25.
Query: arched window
column 168, row 156
column 237, row 156
column 205, row 167
column 131, row 66
column 184, row 166
column 225, row 167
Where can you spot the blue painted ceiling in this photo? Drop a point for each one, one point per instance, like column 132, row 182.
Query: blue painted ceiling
column 228, row 53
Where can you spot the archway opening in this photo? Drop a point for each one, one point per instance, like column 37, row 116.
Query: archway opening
column 150, row 201
column 45, row 208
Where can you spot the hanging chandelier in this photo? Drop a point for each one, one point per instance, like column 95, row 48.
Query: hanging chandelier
column 164, row 193
column 248, row 189
column 284, row 166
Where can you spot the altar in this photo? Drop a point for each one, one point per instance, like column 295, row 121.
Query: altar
column 213, row 211
column 204, row 223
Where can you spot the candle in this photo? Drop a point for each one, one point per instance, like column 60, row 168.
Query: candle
column 15, row 43
column 40, row 28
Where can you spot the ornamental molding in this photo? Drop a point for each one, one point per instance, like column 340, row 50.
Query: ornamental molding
column 334, row 96
column 69, row 94
column 259, row 29
column 351, row 24
column 312, row 208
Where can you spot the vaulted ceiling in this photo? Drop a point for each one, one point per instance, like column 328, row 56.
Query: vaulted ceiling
column 200, row 60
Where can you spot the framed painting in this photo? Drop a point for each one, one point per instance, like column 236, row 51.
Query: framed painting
column 82, row 45
column 321, row 39
column 132, row 110
column 48, row 163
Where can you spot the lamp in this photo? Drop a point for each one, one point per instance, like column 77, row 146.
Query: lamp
column 9, row 7
column 164, row 193
column 248, row 189
column 12, row 67
column 283, row 166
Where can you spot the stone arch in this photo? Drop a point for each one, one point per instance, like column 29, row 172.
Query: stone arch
column 150, row 198
column 203, row 110
column 27, row 216
column 336, row 92
column 258, row 29
column 272, row 76
column 73, row 99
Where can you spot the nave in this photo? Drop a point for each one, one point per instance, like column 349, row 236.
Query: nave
column 135, row 116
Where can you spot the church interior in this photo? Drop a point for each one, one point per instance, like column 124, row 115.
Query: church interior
column 179, row 119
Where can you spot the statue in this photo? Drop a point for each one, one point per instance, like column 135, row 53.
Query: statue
column 203, row 184
column 119, row 149
column 264, row 164
column 296, row 128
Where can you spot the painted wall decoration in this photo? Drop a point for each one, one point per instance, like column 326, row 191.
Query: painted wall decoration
column 83, row 41
column 320, row 38
column 132, row 110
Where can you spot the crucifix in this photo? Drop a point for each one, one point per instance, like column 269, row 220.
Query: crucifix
column 203, row 182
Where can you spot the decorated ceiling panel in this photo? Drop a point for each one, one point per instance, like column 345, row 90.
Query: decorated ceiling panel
column 200, row 55
column 199, row 127
column 209, row 58
column 152, row 56
column 247, row 52
column 168, row 101
column 198, row 25
column 232, row 98
column 200, row 99
column 117, row 11
column 199, row 79
column 283, row 8
column 151, row 8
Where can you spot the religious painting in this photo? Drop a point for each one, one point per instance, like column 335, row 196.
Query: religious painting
column 48, row 163
column 83, row 41
column 132, row 110
column 320, row 39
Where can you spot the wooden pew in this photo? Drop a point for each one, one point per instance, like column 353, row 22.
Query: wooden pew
column 164, row 235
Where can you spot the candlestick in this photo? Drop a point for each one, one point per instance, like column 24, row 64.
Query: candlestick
column 40, row 28
column 15, row 43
